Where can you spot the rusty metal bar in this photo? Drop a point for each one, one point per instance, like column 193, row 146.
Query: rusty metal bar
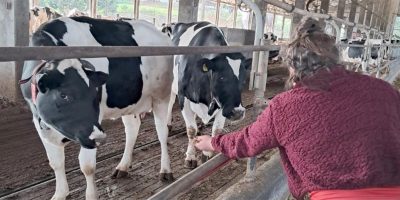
column 56, row 52
column 188, row 180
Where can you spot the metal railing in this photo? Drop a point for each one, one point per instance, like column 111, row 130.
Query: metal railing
column 57, row 52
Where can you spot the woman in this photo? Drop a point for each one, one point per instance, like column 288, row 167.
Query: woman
column 338, row 132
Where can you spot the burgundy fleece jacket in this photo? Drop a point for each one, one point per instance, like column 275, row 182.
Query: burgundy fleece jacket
column 346, row 136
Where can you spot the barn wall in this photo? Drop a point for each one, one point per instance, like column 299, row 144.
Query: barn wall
column 14, row 18
column 237, row 37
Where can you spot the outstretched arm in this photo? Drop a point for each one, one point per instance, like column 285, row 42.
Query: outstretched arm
column 247, row 142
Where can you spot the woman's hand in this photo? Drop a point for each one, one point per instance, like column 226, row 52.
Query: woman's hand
column 203, row 143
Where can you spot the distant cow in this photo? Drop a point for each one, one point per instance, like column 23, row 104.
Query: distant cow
column 273, row 55
column 270, row 36
column 69, row 98
column 76, row 13
column 355, row 54
column 40, row 15
column 208, row 85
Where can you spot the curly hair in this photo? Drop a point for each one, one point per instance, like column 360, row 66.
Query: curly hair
column 310, row 51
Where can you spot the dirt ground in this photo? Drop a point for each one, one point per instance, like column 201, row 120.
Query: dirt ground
column 25, row 173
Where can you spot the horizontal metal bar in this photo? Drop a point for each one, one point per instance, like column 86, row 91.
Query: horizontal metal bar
column 270, row 183
column 57, row 52
column 191, row 178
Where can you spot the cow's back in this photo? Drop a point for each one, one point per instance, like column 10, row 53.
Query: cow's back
column 135, row 76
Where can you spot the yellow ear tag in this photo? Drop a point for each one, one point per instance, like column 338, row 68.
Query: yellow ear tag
column 205, row 68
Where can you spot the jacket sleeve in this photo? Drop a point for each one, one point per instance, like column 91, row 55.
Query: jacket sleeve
column 249, row 141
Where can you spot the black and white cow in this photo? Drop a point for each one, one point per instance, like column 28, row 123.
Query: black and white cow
column 355, row 54
column 69, row 98
column 40, row 15
column 273, row 55
column 209, row 85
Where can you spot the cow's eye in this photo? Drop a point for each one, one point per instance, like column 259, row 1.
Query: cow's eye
column 221, row 78
column 64, row 96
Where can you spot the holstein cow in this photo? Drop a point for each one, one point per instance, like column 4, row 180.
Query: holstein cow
column 209, row 85
column 273, row 55
column 40, row 15
column 355, row 54
column 69, row 98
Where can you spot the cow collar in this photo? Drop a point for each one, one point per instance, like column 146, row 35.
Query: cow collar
column 32, row 78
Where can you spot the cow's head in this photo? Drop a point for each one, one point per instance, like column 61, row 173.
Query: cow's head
column 68, row 99
column 270, row 36
column 227, row 78
column 167, row 28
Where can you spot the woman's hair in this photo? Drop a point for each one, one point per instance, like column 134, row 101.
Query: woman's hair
column 310, row 51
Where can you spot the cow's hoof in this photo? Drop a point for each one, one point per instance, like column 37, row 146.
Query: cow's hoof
column 166, row 177
column 119, row 174
column 169, row 128
column 57, row 197
column 190, row 164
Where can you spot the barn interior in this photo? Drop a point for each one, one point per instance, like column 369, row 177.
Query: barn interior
column 25, row 172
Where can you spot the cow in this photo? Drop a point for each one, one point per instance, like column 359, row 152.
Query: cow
column 270, row 36
column 355, row 54
column 69, row 98
column 209, row 85
column 76, row 13
column 40, row 15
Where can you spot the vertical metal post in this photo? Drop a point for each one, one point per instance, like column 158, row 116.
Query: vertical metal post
column 217, row 12
column 169, row 19
column 352, row 15
column 235, row 14
column 136, row 9
column 366, row 55
column 297, row 17
column 256, row 77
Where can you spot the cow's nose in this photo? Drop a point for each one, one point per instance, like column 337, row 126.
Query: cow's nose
column 238, row 113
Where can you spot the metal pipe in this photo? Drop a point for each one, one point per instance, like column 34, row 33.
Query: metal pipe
column 188, row 180
column 57, row 52
column 257, row 39
column 337, row 29
column 256, row 78
column 367, row 55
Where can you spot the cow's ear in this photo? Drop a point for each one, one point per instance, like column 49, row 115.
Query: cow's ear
column 42, row 83
column 247, row 63
column 97, row 79
column 205, row 65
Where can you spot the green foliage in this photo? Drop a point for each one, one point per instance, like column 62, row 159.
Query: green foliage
column 64, row 7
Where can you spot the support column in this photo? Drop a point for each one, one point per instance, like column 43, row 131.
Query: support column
column 340, row 13
column 352, row 16
column 301, row 4
column 92, row 8
column 374, row 11
column 385, row 12
column 370, row 6
column 361, row 16
column 324, row 6
column 261, row 4
column 325, row 10
column 188, row 10
column 14, row 23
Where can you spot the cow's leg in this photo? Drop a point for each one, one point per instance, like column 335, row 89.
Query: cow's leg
column 160, row 111
column 217, row 128
column 191, row 129
column 54, row 147
column 132, row 125
column 87, row 163
column 170, row 106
